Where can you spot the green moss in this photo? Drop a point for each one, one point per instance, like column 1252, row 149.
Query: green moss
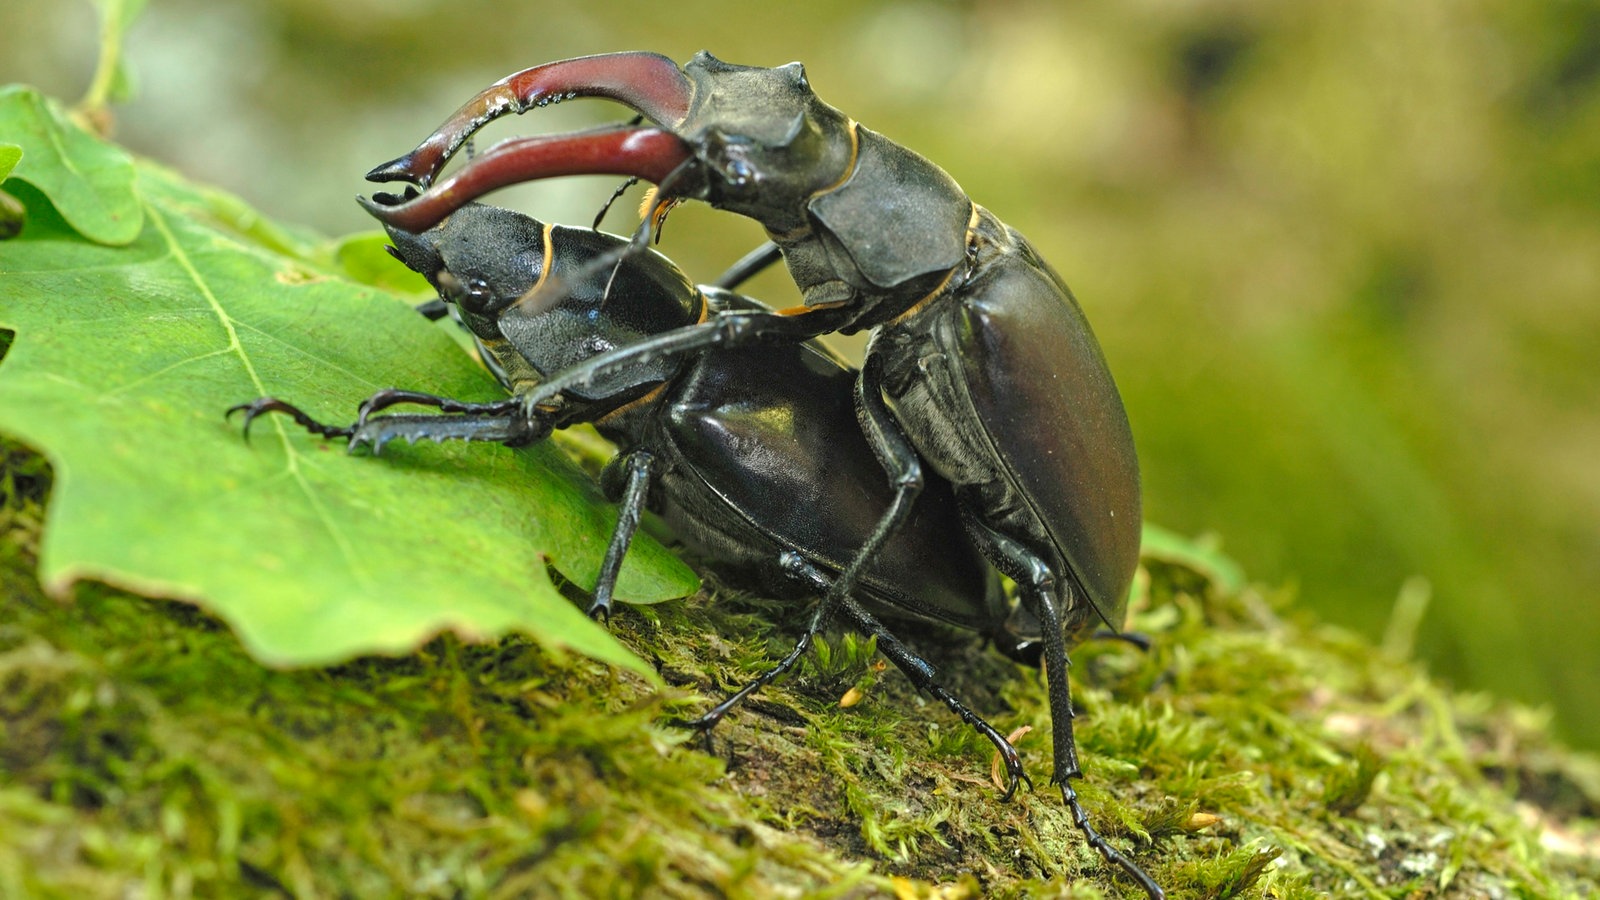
column 1251, row 753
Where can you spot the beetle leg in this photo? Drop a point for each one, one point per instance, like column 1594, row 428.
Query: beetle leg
column 263, row 405
column 648, row 82
column 615, row 196
column 749, row 266
column 394, row 396
column 709, row 719
column 651, row 153
column 629, row 509
column 513, row 430
column 1039, row 585
column 898, row 459
column 433, row 310
column 921, row 674
column 463, row 424
column 1132, row 638
column 796, row 567
column 724, row 332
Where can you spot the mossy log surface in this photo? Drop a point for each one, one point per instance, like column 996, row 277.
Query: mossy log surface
column 1250, row 753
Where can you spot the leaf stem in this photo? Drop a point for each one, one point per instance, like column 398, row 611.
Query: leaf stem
column 94, row 106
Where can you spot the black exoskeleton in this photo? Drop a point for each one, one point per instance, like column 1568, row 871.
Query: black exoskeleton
column 982, row 365
column 753, row 456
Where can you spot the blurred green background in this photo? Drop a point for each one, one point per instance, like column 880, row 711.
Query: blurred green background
column 1343, row 255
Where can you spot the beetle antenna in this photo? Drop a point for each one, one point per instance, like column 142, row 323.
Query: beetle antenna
column 615, row 196
column 621, row 189
column 639, row 241
column 651, row 225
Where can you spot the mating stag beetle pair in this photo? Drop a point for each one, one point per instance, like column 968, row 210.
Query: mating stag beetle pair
column 981, row 363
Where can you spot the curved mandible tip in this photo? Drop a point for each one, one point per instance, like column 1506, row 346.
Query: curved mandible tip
column 649, row 83
column 647, row 152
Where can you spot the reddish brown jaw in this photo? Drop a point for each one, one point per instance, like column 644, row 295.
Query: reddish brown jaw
column 649, row 83
column 650, row 153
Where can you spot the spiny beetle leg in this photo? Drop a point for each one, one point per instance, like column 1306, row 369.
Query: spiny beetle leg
column 1133, row 638
column 394, row 396
column 513, row 430
column 649, row 83
column 1039, row 586
column 639, row 467
column 263, row 405
column 922, row 675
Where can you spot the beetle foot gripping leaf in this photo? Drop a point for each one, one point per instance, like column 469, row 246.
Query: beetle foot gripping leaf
column 259, row 407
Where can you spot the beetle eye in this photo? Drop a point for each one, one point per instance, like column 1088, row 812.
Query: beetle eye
column 736, row 168
column 470, row 293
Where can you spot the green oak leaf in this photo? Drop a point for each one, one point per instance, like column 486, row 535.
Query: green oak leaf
column 124, row 358
column 89, row 181
column 12, row 214
column 363, row 259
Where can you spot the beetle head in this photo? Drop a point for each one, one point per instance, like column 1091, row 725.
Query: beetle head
column 490, row 263
column 763, row 140
column 482, row 259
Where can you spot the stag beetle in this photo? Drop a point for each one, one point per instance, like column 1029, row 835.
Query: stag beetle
column 723, row 446
column 982, row 364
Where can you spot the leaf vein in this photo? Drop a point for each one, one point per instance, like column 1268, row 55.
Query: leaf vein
column 340, row 539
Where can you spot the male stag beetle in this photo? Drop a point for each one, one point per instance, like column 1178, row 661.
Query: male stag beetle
column 982, row 362
column 723, row 445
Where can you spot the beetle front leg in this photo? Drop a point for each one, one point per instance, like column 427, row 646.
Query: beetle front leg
column 630, row 508
column 395, row 396
column 514, row 430
column 501, row 422
column 726, row 331
column 263, row 405
column 649, row 83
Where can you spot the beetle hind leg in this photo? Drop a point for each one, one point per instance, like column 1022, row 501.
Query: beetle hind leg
column 917, row 670
column 922, row 675
column 1039, row 586
column 806, row 573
